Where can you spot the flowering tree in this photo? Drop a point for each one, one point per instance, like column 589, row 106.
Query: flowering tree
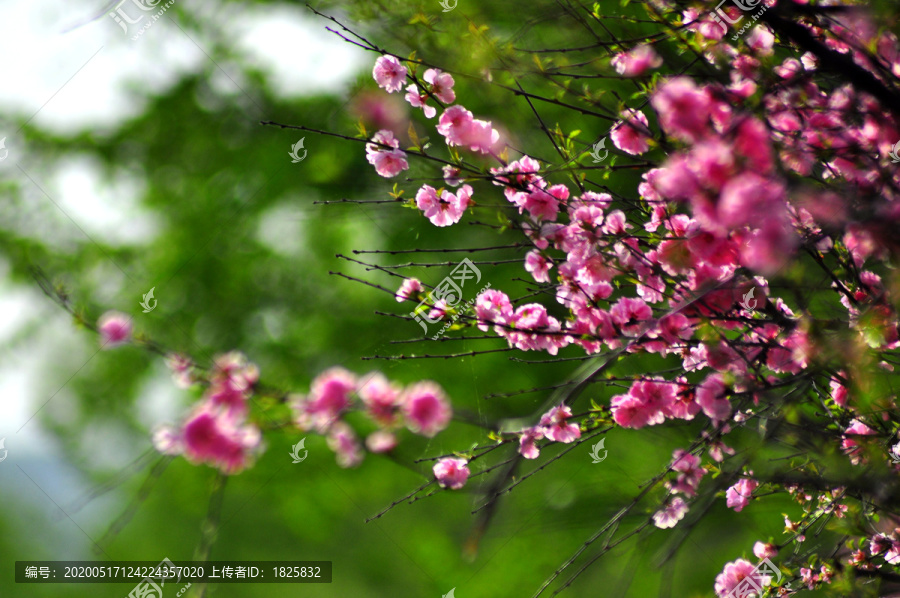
column 743, row 290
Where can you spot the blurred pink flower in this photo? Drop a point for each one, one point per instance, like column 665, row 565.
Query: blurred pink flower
column 636, row 61
column 328, row 398
column 670, row 514
column 631, row 133
column 527, row 439
column 451, row 473
column 408, row 290
column 426, row 409
column 115, row 329
column 343, row 441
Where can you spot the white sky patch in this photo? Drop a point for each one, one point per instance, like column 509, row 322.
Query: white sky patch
column 106, row 211
column 161, row 401
column 291, row 45
column 87, row 77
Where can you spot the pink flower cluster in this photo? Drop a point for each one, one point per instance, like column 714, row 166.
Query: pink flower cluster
column 554, row 426
column 387, row 162
column 727, row 175
column 689, row 474
column 422, row 407
column 460, row 128
column 457, row 125
column 217, row 431
column 738, row 496
column 637, row 61
column 438, row 85
column 444, row 209
column 734, row 573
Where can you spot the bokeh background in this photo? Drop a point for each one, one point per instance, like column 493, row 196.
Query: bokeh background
column 141, row 163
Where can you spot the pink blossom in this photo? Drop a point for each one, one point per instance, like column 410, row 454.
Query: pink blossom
column 809, row 577
column 671, row 514
column 455, row 124
column 542, row 203
column 555, row 428
column 446, row 209
column 459, row 128
column 764, row 551
column 381, row 441
column 789, row 68
column 389, row 74
column 409, row 290
column 749, row 200
column 683, row 109
column 734, row 573
column 417, row 99
column 452, row 175
column 753, row 144
column 216, row 438
column 181, row 366
column 538, row 266
column 343, row 441
column 441, row 85
column 426, row 409
column 628, row 313
column 527, row 439
column 492, row 307
column 838, row 392
column 879, row 543
column 381, row 398
column 387, row 162
column 851, row 442
column 451, row 473
column 711, row 398
column 637, row 61
column 329, row 397
column 231, row 382
column 482, row 137
column 645, row 404
column 630, row 134
column 689, row 472
column 166, row 439
column 534, row 330
column 114, row 328
column 761, row 40
column 738, row 496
